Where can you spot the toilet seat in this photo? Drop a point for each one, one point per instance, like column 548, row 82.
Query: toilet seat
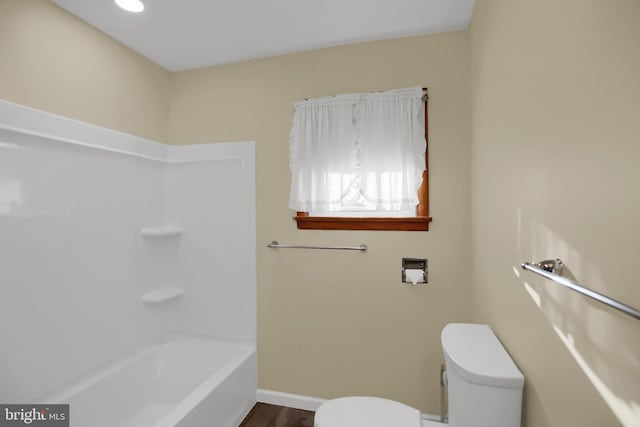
column 361, row 411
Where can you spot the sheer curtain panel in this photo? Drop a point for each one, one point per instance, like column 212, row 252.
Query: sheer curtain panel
column 358, row 152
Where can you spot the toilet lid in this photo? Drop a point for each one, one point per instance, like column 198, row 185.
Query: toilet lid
column 359, row 411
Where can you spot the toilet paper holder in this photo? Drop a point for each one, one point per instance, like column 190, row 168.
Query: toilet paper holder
column 415, row 264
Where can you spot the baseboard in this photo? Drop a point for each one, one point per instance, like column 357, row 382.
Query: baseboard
column 432, row 418
column 307, row 403
column 296, row 401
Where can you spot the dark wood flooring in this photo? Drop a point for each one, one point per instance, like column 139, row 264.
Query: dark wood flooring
column 263, row 415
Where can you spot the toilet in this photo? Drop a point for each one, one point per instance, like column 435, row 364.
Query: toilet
column 484, row 389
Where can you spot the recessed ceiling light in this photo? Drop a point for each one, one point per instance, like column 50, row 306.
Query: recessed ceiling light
column 131, row 5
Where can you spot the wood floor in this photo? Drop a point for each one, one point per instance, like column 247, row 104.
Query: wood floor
column 263, row 415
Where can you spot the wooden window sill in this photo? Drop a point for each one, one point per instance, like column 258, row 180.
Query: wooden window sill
column 418, row 223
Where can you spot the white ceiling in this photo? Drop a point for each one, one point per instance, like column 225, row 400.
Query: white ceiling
column 184, row 34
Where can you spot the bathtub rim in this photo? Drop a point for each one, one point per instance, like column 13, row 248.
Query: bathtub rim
column 64, row 392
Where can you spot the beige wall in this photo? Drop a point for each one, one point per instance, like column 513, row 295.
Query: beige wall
column 556, row 143
column 53, row 61
column 338, row 323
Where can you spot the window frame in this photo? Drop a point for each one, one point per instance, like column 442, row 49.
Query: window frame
column 419, row 222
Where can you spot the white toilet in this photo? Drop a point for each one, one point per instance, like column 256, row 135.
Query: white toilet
column 484, row 389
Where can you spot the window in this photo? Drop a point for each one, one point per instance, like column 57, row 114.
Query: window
column 359, row 162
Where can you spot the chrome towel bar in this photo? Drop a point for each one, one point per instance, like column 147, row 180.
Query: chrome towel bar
column 274, row 244
column 550, row 269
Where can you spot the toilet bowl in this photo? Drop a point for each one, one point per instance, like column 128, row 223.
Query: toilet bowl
column 366, row 411
column 484, row 388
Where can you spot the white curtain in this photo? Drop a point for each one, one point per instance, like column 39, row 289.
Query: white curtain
column 358, row 152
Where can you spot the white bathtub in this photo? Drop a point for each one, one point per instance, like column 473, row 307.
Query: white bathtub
column 183, row 381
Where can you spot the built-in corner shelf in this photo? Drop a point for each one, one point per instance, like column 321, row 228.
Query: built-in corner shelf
column 162, row 295
column 168, row 231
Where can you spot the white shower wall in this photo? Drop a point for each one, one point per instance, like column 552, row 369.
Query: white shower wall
column 217, row 253
column 73, row 266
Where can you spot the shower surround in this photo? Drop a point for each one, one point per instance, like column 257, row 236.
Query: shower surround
column 123, row 255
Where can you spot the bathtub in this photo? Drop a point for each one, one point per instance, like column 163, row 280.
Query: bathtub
column 184, row 381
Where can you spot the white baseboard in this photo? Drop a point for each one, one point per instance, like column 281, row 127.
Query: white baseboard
column 307, row 403
column 296, row 401
column 432, row 418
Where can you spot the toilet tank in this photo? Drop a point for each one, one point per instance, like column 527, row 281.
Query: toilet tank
column 484, row 385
